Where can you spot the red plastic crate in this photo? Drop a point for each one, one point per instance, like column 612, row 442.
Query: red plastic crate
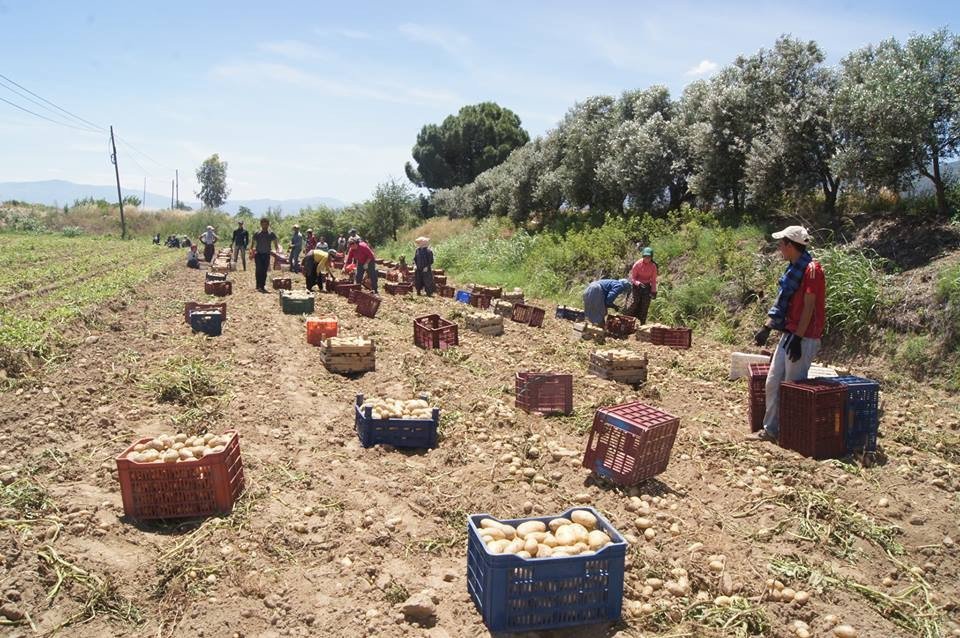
column 353, row 294
column 190, row 306
column 282, row 283
column 630, row 443
column 218, row 288
column 343, row 288
column 530, row 315
column 446, row 291
column 367, row 303
column 621, row 326
column 491, row 291
column 206, row 486
column 433, row 331
column 757, row 394
column 439, row 280
column 673, row 337
column 811, row 418
column 544, row 392
column 478, row 300
column 398, row 288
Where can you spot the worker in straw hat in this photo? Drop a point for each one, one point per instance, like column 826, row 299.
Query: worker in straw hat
column 799, row 314
column 208, row 238
column 423, row 267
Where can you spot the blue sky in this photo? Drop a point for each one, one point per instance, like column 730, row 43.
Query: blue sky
column 317, row 98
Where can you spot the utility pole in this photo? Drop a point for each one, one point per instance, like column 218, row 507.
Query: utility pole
column 171, row 195
column 116, row 169
column 176, row 174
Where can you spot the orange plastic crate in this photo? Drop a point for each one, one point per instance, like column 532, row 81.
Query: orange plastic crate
column 319, row 328
column 203, row 487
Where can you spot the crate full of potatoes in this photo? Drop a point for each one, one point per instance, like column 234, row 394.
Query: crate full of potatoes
column 410, row 423
column 348, row 355
column 621, row 365
column 181, row 476
column 486, row 323
column 583, row 331
column 545, row 573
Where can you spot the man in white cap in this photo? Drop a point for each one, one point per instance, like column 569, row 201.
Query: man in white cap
column 799, row 313
column 208, row 239
column 423, row 267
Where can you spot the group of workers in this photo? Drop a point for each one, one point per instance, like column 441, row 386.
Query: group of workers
column 798, row 312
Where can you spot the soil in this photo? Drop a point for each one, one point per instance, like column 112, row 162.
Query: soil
column 331, row 538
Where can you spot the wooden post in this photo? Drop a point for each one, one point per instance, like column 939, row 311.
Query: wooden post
column 116, row 170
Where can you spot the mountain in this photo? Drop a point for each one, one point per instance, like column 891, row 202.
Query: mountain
column 56, row 192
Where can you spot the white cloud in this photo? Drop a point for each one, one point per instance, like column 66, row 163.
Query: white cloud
column 258, row 73
column 453, row 42
column 704, row 68
column 294, row 49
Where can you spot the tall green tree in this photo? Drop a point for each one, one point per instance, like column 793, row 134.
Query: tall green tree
column 212, row 177
column 453, row 153
column 900, row 105
column 391, row 209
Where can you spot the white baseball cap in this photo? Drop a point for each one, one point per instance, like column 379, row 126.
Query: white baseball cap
column 798, row 234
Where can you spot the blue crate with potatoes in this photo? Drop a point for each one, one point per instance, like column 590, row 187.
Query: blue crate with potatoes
column 209, row 322
column 517, row 594
column 402, row 433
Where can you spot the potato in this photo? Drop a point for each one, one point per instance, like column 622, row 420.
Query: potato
column 497, row 547
column 550, row 540
column 207, row 437
column 149, row 456
column 180, row 438
column 176, row 446
column 544, row 551
column 516, row 545
column 171, row 456
column 597, row 540
column 530, row 545
column 509, row 531
column 585, row 518
column 537, row 536
column 185, row 454
column 139, row 447
column 495, row 533
column 524, row 554
column 530, row 526
column 156, row 444
column 566, row 536
column 557, row 523
column 801, row 597
column 487, row 523
column 134, row 456
column 844, row 631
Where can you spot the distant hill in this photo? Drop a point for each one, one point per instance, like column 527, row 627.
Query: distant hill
column 56, row 192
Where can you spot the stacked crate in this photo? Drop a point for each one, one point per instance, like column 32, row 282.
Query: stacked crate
column 811, row 418
column 623, row 366
column 347, row 355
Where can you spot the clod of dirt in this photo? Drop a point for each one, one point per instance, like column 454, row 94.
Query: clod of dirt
column 419, row 607
column 11, row 612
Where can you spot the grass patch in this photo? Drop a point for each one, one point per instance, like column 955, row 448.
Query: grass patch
column 187, row 381
column 740, row 618
column 27, row 497
column 854, row 285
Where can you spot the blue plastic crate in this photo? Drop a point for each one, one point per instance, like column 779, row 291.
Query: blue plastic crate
column 862, row 414
column 463, row 296
column 405, row 433
column 517, row 594
column 209, row 322
column 570, row 314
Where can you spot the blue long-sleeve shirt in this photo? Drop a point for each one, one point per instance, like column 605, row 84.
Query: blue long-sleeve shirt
column 613, row 288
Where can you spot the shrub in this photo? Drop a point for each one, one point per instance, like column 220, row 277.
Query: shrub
column 853, row 289
column 948, row 293
column 72, row 231
column 915, row 355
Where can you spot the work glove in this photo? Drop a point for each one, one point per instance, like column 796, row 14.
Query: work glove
column 615, row 307
column 761, row 337
column 793, row 347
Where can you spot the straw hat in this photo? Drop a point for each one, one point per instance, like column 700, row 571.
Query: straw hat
column 422, row 241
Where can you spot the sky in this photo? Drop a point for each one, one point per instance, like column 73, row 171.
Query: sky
column 326, row 98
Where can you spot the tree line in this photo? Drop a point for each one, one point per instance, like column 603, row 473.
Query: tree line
column 773, row 127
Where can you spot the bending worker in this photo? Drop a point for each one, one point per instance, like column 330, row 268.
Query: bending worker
column 643, row 276
column 316, row 266
column 799, row 313
column 601, row 295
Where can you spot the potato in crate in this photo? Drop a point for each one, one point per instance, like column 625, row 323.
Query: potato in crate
column 544, row 392
column 218, row 288
column 630, row 443
column 408, row 424
column 621, row 326
column 209, row 322
column 519, row 583
column 502, row 308
column 296, row 302
column 570, row 314
column 513, row 296
column 490, row 291
column 349, row 355
column 398, row 288
column 190, row 306
column 621, row 365
column 583, row 331
column 201, row 477
column 486, row 323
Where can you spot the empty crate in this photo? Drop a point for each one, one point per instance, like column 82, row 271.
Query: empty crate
column 530, row 315
column 544, row 392
column 630, row 443
column 672, row 337
column 811, row 418
column 757, row 394
column 862, row 416
column 367, row 304
column 570, row 314
column 434, row 332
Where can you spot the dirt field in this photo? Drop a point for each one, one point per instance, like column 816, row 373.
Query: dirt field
column 330, row 538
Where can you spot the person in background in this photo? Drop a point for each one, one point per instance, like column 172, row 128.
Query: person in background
column 296, row 246
column 361, row 254
column 800, row 314
column 353, row 235
column 643, row 277
column 193, row 258
column 262, row 242
column 208, row 238
column 156, row 239
column 240, row 241
column 316, row 266
column 322, row 244
column 423, row 267
column 341, row 244
column 601, row 295
column 310, row 242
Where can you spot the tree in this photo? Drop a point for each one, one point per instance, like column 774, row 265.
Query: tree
column 390, row 209
column 477, row 138
column 900, row 106
column 798, row 141
column 244, row 213
column 132, row 200
column 212, row 177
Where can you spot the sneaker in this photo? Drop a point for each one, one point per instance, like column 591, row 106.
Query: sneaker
column 761, row 435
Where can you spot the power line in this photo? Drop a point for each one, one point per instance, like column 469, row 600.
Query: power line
column 59, row 108
column 40, row 104
column 44, row 117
